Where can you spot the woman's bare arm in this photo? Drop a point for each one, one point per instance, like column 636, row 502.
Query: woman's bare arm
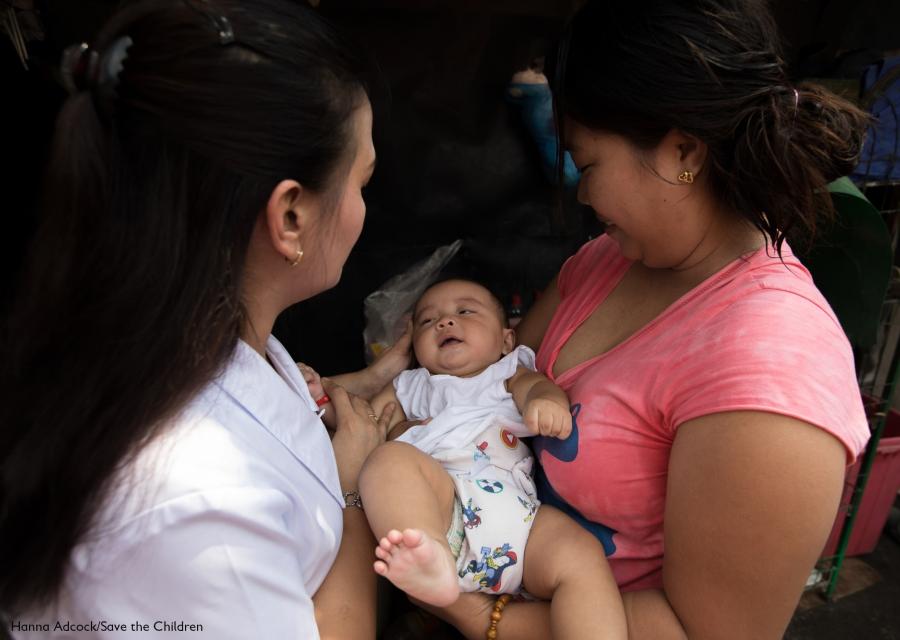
column 345, row 603
column 367, row 382
column 751, row 500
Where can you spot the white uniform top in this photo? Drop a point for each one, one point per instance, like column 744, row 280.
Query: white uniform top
column 460, row 408
column 230, row 520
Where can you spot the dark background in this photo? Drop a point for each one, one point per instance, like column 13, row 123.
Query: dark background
column 454, row 160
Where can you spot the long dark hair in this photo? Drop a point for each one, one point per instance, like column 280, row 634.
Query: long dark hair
column 132, row 300
column 712, row 69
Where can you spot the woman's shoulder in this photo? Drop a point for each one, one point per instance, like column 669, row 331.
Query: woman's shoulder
column 779, row 287
column 765, row 339
column 212, row 453
column 199, row 454
column 762, row 304
column 196, row 511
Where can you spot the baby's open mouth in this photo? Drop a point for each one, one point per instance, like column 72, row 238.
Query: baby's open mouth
column 446, row 342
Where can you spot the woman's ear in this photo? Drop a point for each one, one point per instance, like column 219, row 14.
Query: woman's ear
column 683, row 157
column 288, row 215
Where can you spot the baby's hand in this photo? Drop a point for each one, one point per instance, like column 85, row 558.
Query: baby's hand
column 312, row 379
column 548, row 417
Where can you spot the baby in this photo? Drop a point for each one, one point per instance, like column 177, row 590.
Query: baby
column 452, row 500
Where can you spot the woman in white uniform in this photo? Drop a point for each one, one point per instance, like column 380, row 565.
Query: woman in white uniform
column 165, row 470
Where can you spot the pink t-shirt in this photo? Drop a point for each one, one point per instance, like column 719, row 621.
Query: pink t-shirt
column 757, row 336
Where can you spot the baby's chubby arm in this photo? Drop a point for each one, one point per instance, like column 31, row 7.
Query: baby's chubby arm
column 543, row 405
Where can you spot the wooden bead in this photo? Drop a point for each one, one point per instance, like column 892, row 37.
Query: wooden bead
column 496, row 614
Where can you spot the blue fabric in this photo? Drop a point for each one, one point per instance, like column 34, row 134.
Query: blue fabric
column 536, row 105
column 878, row 160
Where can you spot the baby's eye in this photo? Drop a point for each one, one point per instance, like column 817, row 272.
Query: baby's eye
column 464, row 312
column 424, row 321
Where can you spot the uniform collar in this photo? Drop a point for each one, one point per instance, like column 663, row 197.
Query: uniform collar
column 280, row 402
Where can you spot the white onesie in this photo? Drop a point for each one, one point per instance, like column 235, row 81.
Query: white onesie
column 474, row 433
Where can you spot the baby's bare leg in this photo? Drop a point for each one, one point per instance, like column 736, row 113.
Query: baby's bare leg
column 408, row 498
column 567, row 565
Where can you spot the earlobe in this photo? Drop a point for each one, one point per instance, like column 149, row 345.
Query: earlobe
column 692, row 154
column 284, row 217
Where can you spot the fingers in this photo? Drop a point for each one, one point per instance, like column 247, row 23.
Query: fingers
column 339, row 396
column 309, row 374
column 345, row 402
column 404, row 341
column 384, row 420
column 548, row 420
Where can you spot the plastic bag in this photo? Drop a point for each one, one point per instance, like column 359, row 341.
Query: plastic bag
column 388, row 309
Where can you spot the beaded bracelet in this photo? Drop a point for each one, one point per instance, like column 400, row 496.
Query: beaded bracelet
column 496, row 614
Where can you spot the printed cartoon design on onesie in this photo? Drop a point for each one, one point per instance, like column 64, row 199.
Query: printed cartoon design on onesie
column 566, row 451
column 530, row 506
column 491, row 486
column 481, row 452
column 508, row 439
column 488, row 571
column 470, row 513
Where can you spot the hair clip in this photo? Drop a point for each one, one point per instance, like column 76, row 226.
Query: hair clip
column 220, row 23
column 109, row 65
column 82, row 67
column 74, row 65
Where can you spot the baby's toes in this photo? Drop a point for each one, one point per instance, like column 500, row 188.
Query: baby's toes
column 383, row 554
column 394, row 536
column 412, row 537
column 386, row 545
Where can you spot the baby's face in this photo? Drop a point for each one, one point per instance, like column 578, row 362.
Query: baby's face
column 459, row 329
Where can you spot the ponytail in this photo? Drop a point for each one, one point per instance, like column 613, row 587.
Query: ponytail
column 791, row 145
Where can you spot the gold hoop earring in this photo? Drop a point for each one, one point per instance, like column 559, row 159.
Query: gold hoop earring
column 297, row 259
column 687, row 177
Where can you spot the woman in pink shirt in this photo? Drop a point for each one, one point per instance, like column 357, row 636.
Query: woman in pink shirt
column 713, row 391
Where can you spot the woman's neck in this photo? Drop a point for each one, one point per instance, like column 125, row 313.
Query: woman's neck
column 261, row 314
column 722, row 245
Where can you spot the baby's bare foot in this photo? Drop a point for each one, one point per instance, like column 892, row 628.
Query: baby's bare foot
column 419, row 565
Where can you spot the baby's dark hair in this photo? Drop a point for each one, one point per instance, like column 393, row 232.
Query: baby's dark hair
column 504, row 320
